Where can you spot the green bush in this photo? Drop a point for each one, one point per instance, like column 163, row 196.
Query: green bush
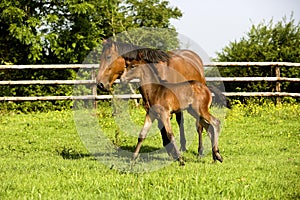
column 266, row 42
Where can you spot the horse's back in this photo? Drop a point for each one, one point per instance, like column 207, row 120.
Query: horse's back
column 188, row 65
column 201, row 93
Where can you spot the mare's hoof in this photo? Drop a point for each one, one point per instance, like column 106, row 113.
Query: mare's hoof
column 183, row 149
column 200, row 154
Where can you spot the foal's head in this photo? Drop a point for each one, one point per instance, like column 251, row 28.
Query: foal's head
column 146, row 73
column 132, row 72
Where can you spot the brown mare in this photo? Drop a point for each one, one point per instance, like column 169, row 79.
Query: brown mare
column 162, row 99
column 182, row 64
column 175, row 66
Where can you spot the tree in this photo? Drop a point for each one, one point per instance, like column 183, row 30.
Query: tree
column 66, row 31
column 61, row 31
column 265, row 42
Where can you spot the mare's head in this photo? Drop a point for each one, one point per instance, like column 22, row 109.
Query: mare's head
column 117, row 55
column 112, row 65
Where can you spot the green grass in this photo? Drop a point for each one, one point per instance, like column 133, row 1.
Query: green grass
column 43, row 157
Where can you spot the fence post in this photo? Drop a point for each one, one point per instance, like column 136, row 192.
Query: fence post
column 94, row 87
column 278, row 89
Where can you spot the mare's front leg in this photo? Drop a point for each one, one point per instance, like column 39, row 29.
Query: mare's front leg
column 200, row 123
column 147, row 124
column 180, row 120
column 163, row 133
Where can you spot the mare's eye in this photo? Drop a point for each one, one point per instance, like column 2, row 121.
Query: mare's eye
column 108, row 57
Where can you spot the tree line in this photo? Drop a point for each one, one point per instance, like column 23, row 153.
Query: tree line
column 65, row 32
column 265, row 42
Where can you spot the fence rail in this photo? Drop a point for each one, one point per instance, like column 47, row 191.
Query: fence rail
column 278, row 79
column 54, row 66
column 49, row 82
column 89, row 82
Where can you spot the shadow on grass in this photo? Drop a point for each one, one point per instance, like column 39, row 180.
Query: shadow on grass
column 125, row 150
column 144, row 148
column 72, row 154
column 124, row 153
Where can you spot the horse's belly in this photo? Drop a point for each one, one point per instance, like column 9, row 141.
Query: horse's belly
column 183, row 97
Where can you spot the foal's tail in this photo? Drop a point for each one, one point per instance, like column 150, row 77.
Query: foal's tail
column 219, row 98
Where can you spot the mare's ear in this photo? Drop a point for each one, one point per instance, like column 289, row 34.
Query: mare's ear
column 113, row 45
column 108, row 42
column 105, row 42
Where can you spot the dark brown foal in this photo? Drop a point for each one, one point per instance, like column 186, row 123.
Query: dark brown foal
column 162, row 99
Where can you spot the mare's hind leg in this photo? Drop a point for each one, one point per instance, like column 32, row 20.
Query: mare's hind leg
column 199, row 127
column 200, row 123
column 147, row 124
column 163, row 133
column 180, row 120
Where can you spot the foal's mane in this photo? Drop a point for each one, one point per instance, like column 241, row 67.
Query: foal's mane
column 133, row 52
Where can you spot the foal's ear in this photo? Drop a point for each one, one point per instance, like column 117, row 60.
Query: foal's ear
column 127, row 63
column 108, row 41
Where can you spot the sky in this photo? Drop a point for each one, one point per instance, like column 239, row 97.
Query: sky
column 212, row 24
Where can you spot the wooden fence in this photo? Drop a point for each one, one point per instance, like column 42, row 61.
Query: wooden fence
column 93, row 67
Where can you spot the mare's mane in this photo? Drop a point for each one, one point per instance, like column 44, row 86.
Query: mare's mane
column 154, row 72
column 133, row 52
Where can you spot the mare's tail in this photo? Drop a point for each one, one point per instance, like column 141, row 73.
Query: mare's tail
column 219, row 98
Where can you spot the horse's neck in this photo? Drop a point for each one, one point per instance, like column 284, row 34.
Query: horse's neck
column 150, row 84
column 149, row 75
column 149, row 93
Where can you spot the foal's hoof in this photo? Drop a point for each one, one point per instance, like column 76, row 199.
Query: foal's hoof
column 217, row 156
column 181, row 161
column 134, row 157
column 220, row 159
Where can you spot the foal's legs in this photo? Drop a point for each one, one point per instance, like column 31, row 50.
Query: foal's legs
column 199, row 127
column 180, row 120
column 212, row 127
column 173, row 150
column 213, row 130
column 147, row 124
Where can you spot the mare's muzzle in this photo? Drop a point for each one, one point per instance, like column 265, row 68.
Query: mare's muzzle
column 102, row 87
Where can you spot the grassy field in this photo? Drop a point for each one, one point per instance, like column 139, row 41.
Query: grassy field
column 43, row 157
